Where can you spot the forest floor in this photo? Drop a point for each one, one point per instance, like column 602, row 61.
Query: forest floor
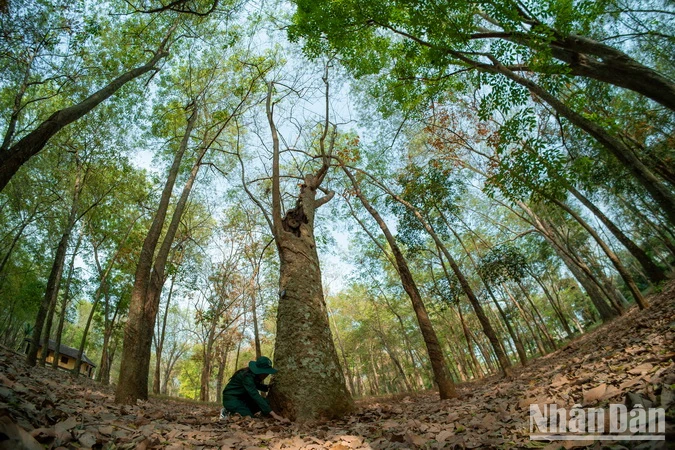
column 631, row 356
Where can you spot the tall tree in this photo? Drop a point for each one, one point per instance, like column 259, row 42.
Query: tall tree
column 217, row 113
column 442, row 377
column 310, row 382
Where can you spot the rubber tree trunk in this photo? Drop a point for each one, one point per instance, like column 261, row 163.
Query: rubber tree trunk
column 592, row 59
column 108, row 329
column 159, row 346
column 133, row 380
column 64, row 304
column 582, row 276
column 528, row 321
column 310, row 383
column 540, row 323
column 441, row 375
column 654, row 273
column 503, row 360
column 48, row 304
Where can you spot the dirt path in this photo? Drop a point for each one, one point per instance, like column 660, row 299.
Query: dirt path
column 635, row 354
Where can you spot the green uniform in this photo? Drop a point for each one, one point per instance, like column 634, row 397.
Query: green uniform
column 241, row 394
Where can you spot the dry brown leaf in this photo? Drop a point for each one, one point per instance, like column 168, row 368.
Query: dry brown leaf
column 16, row 437
column 444, row 435
column 559, row 380
column 593, row 395
column 66, row 425
column 87, row 439
column 641, row 369
column 415, row 439
column 339, row 447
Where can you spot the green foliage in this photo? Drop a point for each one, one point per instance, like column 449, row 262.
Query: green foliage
column 433, row 192
column 502, row 263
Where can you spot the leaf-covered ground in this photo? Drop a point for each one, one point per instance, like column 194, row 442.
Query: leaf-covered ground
column 635, row 354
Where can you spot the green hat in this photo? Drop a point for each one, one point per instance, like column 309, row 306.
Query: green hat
column 262, row 365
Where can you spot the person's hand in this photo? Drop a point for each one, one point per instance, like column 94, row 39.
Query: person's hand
column 279, row 418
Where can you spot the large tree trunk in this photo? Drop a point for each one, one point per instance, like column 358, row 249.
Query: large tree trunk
column 138, row 332
column 310, row 382
column 12, row 158
column 442, row 377
column 592, row 59
column 589, row 58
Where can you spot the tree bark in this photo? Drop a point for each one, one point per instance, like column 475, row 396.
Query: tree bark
column 134, row 369
column 310, row 383
column 589, row 58
column 592, row 59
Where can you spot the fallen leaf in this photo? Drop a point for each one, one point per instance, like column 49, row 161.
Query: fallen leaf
column 594, row 395
column 16, row 437
column 66, row 425
column 559, row 380
column 444, row 435
column 339, row 447
column 641, row 369
column 87, row 439
column 415, row 439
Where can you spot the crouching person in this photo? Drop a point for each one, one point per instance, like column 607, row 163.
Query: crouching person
column 241, row 395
